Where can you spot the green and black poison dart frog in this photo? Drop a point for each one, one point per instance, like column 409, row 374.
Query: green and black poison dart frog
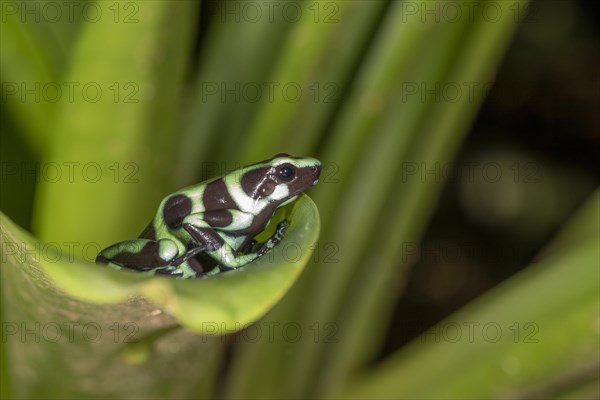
column 213, row 223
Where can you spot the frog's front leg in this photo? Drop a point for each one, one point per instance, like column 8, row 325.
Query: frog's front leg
column 255, row 247
column 201, row 227
column 204, row 234
column 273, row 240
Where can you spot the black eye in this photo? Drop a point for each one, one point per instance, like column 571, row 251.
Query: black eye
column 286, row 172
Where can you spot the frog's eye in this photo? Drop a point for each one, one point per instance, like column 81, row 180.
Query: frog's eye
column 286, row 172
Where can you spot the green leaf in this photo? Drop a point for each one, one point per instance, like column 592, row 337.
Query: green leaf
column 309, row 46
column 233, row 300
column 368, row 306
column 26, row 69
column 219, row 92
column 36, row 40
column 379, row 130
column 114, row 143
column 43, row 287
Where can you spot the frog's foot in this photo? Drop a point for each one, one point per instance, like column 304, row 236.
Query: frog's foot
column 251, row 247
column 185, row 270
column 276, row 238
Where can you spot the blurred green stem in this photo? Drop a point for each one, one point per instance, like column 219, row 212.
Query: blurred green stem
column 25, row 65
column 113, row 151
column 368, row 304
column 307, row 45
column 220, row 109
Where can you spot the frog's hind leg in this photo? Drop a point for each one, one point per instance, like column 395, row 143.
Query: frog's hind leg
column 139, row 254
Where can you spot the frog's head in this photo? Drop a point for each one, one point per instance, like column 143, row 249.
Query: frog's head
column 280, row 179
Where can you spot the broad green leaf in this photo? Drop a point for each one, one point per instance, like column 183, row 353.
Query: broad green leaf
column 145, row 322
column 233, row 300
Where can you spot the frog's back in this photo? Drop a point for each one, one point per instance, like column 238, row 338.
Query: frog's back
column 206, row 196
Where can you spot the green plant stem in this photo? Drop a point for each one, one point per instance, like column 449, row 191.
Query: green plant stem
column 391, row 137
column 26, row 65
column 330, row 81
column 368, row 303
column 308, row 45
column 223, row 87
column 354, row 22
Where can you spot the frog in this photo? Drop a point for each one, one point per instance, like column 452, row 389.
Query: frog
column 209, row 228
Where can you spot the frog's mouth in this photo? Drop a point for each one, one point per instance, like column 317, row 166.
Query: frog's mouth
column 288, row 201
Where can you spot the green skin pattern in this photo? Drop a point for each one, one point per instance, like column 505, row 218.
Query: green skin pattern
column 213, row 223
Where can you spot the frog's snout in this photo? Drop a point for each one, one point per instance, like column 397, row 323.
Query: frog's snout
column 316, row 170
